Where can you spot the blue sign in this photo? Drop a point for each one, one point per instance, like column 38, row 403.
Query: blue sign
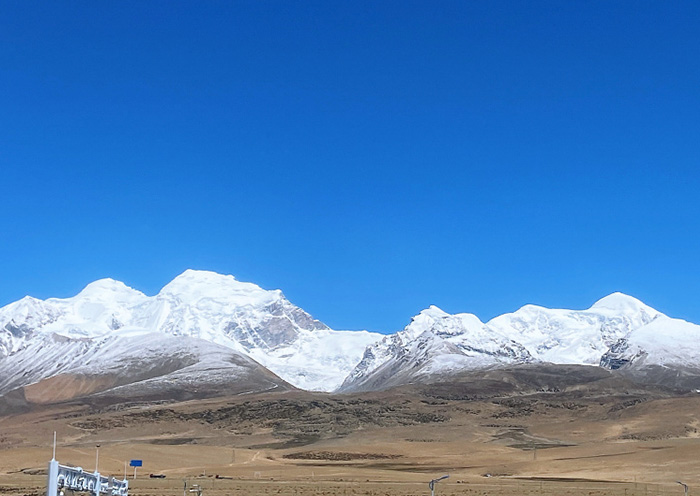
column 136, row 463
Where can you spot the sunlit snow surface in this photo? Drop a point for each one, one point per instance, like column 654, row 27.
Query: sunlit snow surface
column 109, row 324
column 617, row 330
column 197, row 304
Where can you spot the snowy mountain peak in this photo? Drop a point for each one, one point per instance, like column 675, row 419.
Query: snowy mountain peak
column 31, row 311
column 434, row 310
column 437, row 320
column 531, row 334
column 194, row 285
column 426, row 318
column 192, row 277
column 109, row 289
column 421, row 323
column 621, row 303
column 25, row 303
column 226, row 311
column 197, row 304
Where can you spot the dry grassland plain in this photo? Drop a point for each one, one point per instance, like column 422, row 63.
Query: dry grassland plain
column 583, row 443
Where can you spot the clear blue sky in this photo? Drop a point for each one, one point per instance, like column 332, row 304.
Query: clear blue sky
column 367, row 158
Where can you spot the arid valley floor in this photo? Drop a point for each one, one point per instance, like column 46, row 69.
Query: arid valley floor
column 584, row 433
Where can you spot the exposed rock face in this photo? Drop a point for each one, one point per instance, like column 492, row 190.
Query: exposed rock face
column 279, row 326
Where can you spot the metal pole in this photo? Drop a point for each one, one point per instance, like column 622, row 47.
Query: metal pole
column 52, row 486
column 97, row 458
column 52, row 478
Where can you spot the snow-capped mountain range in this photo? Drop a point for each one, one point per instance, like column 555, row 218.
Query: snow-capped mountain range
column 197, row 305
column 209, row 328
column 618, row 331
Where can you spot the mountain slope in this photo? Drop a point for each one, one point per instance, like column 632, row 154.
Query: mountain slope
column 202, row 305
column 150, row 366
column 531, row 334
column 666, row 351
column 434, row 342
